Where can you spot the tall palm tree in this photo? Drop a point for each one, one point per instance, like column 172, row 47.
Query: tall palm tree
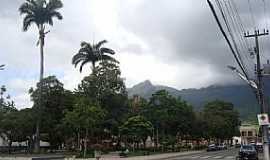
column 41, row 13
column 92, row 53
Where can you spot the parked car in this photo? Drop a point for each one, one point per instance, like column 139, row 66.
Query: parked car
column 259, row 147
column 222, row 146
column 212, row 147
column 248, row 152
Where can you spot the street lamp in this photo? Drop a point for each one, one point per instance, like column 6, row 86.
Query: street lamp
column 250, row 82
column 2, row 67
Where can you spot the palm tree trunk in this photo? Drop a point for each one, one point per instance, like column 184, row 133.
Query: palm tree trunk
column 42, row 36
column 41, row 45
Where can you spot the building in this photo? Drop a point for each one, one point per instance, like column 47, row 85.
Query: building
column 3, row 140
column 249, row 134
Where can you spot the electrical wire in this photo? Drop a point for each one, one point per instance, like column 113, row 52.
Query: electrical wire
column 231, row 34
column 237, row 24
column 251, row 14
column 239, row 20
column 264, row 12
column 227, row 39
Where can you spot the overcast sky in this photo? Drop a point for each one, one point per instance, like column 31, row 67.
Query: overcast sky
column 170, row 42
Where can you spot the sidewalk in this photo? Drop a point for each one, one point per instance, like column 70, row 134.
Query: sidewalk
column 114, row 156
column 150, row 157
column 162, row 156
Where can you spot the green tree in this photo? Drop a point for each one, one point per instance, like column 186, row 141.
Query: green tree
column 41, row 13
column 199, row 128
column 17, row 125
column 137, row 129
column 9, row 122
column 86, row 116
column 137, row 105
column 92, row 53
column 106, row 87
column 222, row 120
column 6, row 104
column 171, row 116
column 26, row 126
column 53, row 104
column 2, row 92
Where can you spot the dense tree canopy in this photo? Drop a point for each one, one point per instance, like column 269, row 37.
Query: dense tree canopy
column 106, row 88
column 222, row 119
column 137, row 129
column 52, row 108
column 169, row 114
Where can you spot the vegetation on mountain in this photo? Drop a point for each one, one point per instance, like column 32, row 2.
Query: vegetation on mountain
column 242, row 98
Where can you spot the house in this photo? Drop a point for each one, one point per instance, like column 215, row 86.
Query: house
column 250, row 134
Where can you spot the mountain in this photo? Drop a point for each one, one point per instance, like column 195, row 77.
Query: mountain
column 242, row 96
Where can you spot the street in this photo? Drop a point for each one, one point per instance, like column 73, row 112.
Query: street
column 222, row 155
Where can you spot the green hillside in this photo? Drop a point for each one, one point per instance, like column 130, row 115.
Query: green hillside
column 241, row 96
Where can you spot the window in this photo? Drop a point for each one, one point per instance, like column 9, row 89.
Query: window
column 243, row 133
column 250, row 133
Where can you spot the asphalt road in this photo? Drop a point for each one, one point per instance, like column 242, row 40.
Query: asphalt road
column 229, row 154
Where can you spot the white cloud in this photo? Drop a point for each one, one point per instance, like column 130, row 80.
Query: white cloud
column 18, row 89
column 23, row 101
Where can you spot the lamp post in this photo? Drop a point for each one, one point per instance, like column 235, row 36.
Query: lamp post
column 250, row 82
column 2, row 67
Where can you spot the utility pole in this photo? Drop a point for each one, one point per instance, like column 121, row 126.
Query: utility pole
column 260, row 95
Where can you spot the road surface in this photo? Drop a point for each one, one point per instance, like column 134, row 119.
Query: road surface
column 229, row 154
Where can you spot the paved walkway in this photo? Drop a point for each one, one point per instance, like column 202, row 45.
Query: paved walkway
column 114, row 156
column 162, row 156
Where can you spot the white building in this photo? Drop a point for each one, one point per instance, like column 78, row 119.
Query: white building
column 249, row 134
column 3, row 140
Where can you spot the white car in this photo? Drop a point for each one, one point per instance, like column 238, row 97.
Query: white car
column 222, row 146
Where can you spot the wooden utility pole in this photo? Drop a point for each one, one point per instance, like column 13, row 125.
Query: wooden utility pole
column 260, row 95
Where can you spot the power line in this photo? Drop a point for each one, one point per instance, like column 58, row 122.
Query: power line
column 237, row 21
column 240, row 21
column 251, row 14
column 264, row 12
column 236, row 48
column 243, row 48
column 225, row 36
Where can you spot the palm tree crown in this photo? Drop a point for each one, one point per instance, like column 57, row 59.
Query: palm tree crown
column 92, row 53
column 40, row 12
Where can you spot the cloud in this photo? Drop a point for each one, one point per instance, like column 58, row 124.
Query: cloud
column 175, row 43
